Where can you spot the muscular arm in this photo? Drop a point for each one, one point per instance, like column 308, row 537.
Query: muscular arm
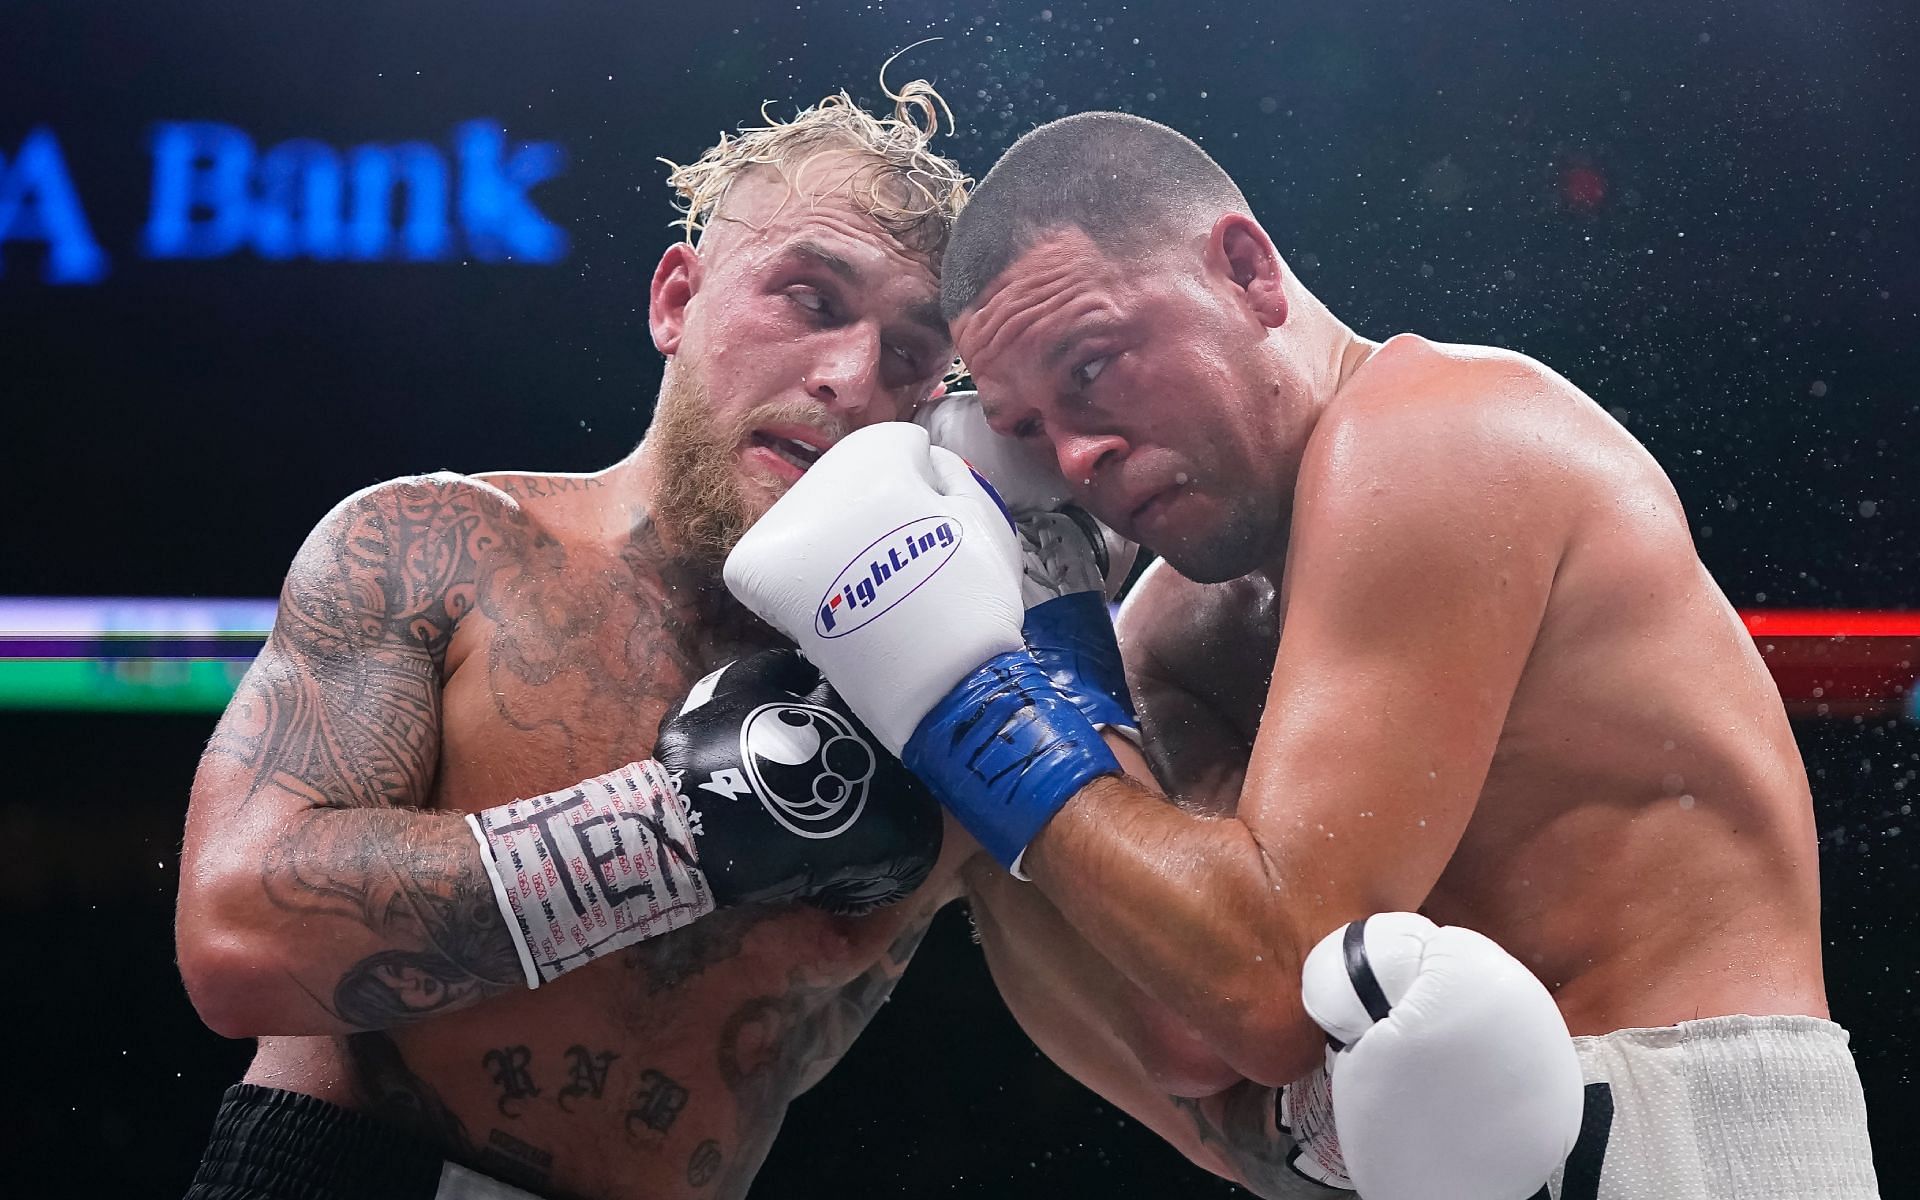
column 317, row 895
column 1102, row 1029
column 1099, row 1027
column 1418, row 576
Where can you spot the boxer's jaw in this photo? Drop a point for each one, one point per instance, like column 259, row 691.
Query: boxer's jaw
column 1148, row 381
column 797, row 320
column 702, row 496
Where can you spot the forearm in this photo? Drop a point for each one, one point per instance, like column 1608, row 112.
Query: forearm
column 1101, row 1029
column 1052, row 987
column 1077, row 1006
column 345, row 920
column 1190, row 909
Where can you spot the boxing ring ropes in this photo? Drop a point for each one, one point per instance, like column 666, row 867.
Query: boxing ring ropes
column 104, row 654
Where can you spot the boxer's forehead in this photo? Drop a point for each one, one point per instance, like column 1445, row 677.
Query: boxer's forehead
column 1058, row 290
column 825, row 199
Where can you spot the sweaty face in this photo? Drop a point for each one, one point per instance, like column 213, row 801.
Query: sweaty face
column 1147, row 381
column 805, row 320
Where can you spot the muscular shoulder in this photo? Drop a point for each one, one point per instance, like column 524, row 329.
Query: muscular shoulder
column 402, row 560
column 534, row 490
column 1425, row 425
column 1414, row 387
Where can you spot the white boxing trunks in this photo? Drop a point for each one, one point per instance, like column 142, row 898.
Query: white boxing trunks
column 1726, row 1108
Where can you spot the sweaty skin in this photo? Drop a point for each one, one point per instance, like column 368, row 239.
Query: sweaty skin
column 450, row 643
column 1457, row 654
column 1643, row 835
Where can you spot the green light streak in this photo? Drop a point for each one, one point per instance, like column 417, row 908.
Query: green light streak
column 126, row 685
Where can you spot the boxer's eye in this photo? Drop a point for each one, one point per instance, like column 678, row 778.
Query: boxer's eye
column 1029, row 428
column 1088, row 371
column 810, row 300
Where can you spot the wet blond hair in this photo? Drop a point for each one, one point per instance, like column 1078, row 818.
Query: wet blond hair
column 909, row 191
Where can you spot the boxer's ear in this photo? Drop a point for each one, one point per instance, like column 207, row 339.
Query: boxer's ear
column 675, row 282
column 1239, row 248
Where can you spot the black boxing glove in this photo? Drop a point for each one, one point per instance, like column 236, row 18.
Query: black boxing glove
column 764, row 787
column 790, row 797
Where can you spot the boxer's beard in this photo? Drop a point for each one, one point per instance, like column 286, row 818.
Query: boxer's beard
column 702, row 502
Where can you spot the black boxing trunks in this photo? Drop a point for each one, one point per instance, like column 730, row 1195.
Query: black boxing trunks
column 269, row 1144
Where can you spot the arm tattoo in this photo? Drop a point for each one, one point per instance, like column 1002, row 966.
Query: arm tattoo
column 415, row 881
column 339, row 720
column 1239, row 1126
column 343, row 707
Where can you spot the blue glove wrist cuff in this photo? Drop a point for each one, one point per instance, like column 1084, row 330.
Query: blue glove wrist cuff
column 1004, row 751
column 1072, row 639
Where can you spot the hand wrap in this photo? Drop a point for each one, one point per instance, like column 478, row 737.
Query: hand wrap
column 583, row 871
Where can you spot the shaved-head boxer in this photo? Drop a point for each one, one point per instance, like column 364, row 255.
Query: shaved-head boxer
column 1429, row 634
column 526, row 880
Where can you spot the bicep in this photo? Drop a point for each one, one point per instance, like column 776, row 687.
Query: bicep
column 1413, row 608
column 342, row 707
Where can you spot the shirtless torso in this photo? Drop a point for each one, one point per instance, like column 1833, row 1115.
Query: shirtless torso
column 1644, row 837
column 560, row 632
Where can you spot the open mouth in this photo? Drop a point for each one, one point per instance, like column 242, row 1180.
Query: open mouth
column 798, row 452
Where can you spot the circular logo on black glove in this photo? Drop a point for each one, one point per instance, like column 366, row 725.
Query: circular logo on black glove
column 808, row 766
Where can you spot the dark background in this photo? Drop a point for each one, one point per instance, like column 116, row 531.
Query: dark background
column 1702, row 213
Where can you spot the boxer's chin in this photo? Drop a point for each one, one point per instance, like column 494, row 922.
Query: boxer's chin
column 1226, row 551
column 703, row 502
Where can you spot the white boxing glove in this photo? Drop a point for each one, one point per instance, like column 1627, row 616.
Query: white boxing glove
column 1453, row 1075
column 898, row 574
column 1026, row 476
column 1070, row 563
column 891, row 568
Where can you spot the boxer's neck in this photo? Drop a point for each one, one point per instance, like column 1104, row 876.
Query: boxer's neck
column 629, row 521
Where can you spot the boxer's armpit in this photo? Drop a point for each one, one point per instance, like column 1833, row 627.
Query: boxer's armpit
column 1238, row 1126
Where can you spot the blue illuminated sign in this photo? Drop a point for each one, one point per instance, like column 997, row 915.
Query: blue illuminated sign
column 38, row 203
column 215, row 194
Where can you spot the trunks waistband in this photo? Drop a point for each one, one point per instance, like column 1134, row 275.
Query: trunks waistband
column 269, row 1144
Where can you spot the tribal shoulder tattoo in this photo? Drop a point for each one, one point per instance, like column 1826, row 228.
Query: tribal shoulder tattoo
column 338, row 721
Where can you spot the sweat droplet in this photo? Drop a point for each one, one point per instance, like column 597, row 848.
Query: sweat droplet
column 1182, row 479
